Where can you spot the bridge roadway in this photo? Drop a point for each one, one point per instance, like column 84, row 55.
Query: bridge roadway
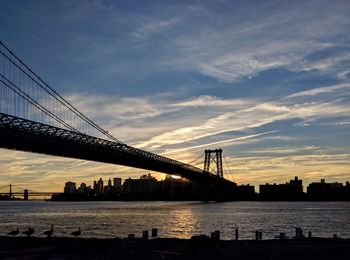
column 21, row 134
column 36, row 194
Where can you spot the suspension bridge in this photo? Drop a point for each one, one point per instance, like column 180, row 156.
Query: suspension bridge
column 35, row 118
column 11, row 191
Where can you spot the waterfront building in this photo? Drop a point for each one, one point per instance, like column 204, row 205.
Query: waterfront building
column 82, row 188
column 176, row 188
column 117, row 184
column 95, row 188
column 245, row 192
column 100, row 185
column 292, row 190
column 328, row 191
column 70, row 187
column 173, row 188
column 146, row 185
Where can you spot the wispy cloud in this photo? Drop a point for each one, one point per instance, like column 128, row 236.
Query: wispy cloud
column 279, row 41
column 320, row 90
column 283, row 150
column 204, row 117
column 153, row 28
column 230, row 141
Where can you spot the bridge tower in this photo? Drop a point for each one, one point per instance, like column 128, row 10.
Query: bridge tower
column 25, row 195
column 214, row 156
column 10, row 193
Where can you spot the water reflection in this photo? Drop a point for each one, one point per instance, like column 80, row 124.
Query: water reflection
column 176, row 219
column 182, row 223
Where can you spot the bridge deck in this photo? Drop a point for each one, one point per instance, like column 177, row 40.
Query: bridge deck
column 25, row 135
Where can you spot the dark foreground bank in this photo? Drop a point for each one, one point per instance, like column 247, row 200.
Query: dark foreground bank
column 79, row 248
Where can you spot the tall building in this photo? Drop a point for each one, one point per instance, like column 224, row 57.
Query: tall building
column 100, row 185
column 82, row 188
column 147, row 184
column 117, row 184
column 95, row 188
column 70, row 187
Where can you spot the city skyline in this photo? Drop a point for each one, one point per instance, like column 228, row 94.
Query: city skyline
column 269, row 83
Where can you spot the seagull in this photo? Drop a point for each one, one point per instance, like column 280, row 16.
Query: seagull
column 76, row 233
column 48, row 233
column 28, row 232
column 13, row 232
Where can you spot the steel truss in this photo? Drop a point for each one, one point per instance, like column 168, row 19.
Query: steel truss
column 21, row 134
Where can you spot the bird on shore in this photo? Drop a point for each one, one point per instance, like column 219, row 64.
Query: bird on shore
column 28, row 232
column 49, row 232
column 13, row 232
column 76, row 233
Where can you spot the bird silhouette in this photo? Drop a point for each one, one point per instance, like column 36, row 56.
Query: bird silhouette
column 76, row 233
column 13, row 232
column 49, row 232
column 28, row 232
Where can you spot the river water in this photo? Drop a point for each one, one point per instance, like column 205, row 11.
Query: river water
column 177, row 219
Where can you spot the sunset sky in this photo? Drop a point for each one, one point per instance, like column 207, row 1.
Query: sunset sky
column 266, row 81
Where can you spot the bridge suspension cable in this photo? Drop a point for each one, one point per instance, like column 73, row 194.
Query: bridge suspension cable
column 230, row 174
column 32, row 89
column 4, row 186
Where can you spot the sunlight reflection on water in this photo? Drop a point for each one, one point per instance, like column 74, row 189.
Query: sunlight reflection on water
column 177, row 219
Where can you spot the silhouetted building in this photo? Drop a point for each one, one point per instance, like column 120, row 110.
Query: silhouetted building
column 98, row 186
column 328, row 191
column 117, row 184
column 245, row 192
column 82, row 188
column 70, row 187
column 176, row 188
column 145, row 186
column 292, row 190
column 173, row 188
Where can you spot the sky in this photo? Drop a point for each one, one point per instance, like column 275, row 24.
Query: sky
column 266, row 81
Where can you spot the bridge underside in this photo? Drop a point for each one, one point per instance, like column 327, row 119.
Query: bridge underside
column 24, row 135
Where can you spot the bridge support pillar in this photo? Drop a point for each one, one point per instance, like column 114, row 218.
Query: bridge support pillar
column 25, row 195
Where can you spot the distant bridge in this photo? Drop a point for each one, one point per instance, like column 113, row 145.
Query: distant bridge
column 35, row 118
column 11, row 191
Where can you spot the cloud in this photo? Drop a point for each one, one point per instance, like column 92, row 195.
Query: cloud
column 144, row 122
column 152, row 28
column 234, row 67
column 343, row 74
column 285, row 37
column 224, row 142
column 283, row 150
column 320, row 90
column 326, row 64
column 211, row 101
column 190, row 37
